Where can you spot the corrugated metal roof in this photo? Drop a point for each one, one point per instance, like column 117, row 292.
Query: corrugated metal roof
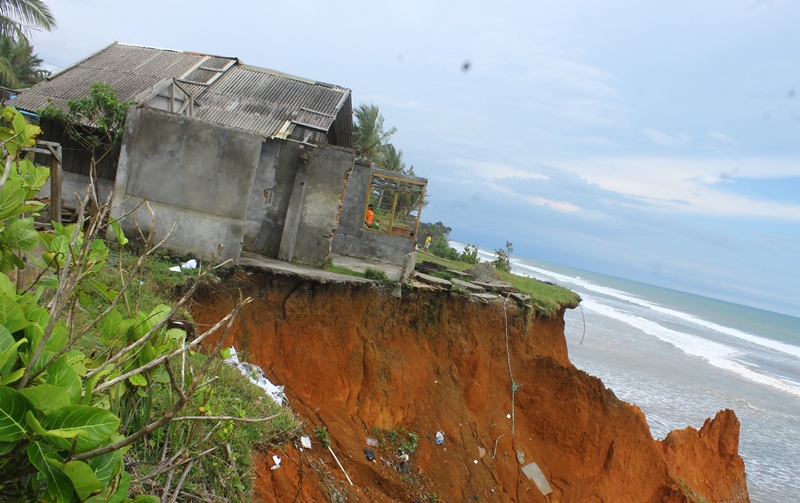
column 232, row 94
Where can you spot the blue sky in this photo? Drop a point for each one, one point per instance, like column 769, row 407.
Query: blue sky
column 656, row 141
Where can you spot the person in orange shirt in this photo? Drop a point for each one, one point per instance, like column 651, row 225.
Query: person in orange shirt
column 369, row 219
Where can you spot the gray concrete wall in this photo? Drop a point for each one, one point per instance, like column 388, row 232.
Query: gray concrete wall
column 327, row 169
column 196, row 176
column 352, row 240
column 303, row 194
column 74, row 185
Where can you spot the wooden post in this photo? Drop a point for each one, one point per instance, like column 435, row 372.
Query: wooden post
column 55, row 182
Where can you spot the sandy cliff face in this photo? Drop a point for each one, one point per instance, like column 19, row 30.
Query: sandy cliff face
column 365, row 364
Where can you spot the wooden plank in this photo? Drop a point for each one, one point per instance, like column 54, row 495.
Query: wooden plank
column 55, row 185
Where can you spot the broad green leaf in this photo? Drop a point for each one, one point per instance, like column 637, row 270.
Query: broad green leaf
column 160, row 312
column 118, row 233
column 107, row 466
column 29, row 132
column 6, row 447
column 18, row 123
column 13, row 407
column 19, row 234
column 138, row 380
column 83, row 479
column 8, row 352
column 58, row 337
column 77, row 360
column 61, row 373
column 95, row 426
column 144, row 498
column 11, row 261
column 12, row 195
column 27, row 207
column 106, row 291
column 11, row 315
column 176, row 334
column 120, row 491
column 7, row 287
column 59, row 486
column 41, row 362
column 60, row 246
column 12, row 377
column 46, row 397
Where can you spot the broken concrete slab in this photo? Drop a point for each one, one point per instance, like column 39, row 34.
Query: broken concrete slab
column 483, row 272
column 466, row 285
column 432, row 280
column 533, row 472
column 485, row 296
column 460, row 274
column 521, row 297
column 418, row 285
column 495, row 286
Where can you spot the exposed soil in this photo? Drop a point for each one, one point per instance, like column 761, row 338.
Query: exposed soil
column 364, row 364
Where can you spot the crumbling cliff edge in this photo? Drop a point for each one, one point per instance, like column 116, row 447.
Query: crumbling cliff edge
column 364, row 364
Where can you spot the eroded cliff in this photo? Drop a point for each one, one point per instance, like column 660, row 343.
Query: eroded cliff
column 364, row 364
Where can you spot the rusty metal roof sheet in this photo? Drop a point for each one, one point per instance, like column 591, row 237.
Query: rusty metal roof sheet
column 250, row 98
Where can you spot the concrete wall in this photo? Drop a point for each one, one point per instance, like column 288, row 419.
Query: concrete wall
column 327, row 169
column 195, row 176
column 352, row 240
column 295, row 200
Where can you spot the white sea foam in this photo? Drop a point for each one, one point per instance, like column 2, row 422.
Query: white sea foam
column 782, row 347
column 718, row 355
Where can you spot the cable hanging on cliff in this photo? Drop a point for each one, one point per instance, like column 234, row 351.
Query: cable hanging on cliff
column 514, row 386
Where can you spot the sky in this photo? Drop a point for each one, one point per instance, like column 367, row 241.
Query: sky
column 655, row 141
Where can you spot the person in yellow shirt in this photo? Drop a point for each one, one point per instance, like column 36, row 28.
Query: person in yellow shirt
column 427, row 243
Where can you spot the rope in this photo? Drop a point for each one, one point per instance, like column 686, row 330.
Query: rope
column 514, row 386
column 510, row 374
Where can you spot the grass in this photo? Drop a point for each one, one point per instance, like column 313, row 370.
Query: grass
column 546, row 298
column 222, row 451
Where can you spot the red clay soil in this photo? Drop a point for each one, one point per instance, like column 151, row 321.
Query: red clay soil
column 364, row 364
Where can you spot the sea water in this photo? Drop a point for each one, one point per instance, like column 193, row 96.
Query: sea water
column 682, row 357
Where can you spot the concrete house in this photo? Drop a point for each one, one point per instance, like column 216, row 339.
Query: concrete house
column 227, row 153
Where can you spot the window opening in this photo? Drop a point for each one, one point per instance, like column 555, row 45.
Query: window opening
column 396, row 205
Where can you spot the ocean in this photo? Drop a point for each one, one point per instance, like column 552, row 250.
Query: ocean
column 682, row 357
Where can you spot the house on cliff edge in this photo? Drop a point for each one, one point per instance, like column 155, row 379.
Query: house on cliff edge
column 227, row 153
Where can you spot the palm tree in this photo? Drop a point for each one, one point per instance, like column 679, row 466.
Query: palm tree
column 19, row 17
column 369, row 136
column 392, row 159
column 24, row 66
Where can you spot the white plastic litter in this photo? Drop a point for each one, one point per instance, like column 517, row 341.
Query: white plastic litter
column 439, row 438
column 372, row 441
column 277, row 461
column 305, row 442
column 256, row 376
column 189, row 264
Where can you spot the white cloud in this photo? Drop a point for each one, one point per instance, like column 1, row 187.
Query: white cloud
column 686, row 185
column 496, row 171
column 667, row 140
column 721, row 137
column 562, row 206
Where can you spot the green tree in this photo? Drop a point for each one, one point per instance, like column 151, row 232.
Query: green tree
column 370, row 136
column 19, row 17
column 25, row 67
column 392, row 159
column 502, row 260
column 67, row 417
